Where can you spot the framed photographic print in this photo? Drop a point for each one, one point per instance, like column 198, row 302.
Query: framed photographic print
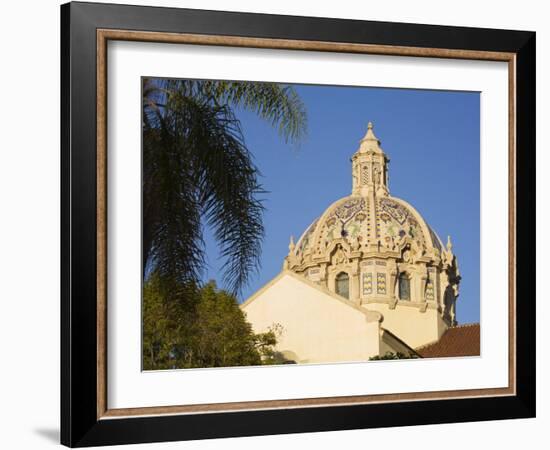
column 276, row 224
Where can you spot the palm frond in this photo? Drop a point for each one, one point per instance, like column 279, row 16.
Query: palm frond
column 278, row 104
column 172, row 231
column 197, row 167
column 227, row 186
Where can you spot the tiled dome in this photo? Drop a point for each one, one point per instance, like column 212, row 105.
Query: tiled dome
column 375, row 249
column 383, row 227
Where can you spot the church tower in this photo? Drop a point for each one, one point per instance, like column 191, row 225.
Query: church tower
column 368, row 277
column 378, row 252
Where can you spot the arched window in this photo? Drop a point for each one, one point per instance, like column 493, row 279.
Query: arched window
column 404, row 287
column 342, row 284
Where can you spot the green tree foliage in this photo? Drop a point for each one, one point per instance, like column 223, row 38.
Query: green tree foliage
column 162, row 329
column 197, row 169
column 222, row 336
column 392, row 355
column 265, row 344
column 213, row 332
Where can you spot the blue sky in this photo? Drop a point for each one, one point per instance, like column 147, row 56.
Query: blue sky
column 432, row 140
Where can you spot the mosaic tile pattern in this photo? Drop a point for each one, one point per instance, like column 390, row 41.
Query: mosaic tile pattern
column 367, row 283
column 397, row 222
column 347, row 221
column 305, row 240
column 364, row 175
column 348, row 209
column 381, row 283
column 435, row 240
column 396, row 211
column 429, row 290
column 351, row 220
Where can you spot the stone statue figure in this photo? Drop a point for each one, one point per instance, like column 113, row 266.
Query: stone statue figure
column 339, row 256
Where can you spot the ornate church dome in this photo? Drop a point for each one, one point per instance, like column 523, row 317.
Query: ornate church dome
column 371, row 247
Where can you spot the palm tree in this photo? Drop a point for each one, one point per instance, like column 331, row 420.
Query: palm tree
column 197, row 170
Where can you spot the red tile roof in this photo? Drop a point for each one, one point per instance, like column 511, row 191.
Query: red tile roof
column 462, row 340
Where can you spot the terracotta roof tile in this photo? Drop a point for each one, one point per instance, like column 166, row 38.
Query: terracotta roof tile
column 462, row 340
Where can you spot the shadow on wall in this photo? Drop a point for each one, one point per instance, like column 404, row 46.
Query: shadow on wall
column 49, row 434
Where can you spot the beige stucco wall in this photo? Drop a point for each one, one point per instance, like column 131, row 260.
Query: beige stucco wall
column 390, row 344
column 409, row 324
column 317, row 326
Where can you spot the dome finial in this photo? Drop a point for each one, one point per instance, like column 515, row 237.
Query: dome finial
column 370, row 134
